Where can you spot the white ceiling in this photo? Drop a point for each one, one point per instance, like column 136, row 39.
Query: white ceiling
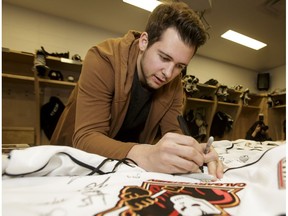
column 254, row 18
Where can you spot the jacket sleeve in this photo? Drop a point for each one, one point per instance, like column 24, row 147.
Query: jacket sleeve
column 93, row 108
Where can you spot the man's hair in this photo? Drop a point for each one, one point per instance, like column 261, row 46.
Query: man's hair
column 179, row 16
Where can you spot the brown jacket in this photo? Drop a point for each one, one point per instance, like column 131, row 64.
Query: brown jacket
column 101, row 99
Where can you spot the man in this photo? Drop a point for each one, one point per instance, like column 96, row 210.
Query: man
column 130, row 90
column 258, row 132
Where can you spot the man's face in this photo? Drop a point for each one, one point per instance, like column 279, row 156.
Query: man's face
column 164, row 60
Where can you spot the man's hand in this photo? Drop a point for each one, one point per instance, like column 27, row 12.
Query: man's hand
column 174, row 153
column 257, row 129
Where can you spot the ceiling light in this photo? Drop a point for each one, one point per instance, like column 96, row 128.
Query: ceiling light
column 148, row 5
column 243, row 40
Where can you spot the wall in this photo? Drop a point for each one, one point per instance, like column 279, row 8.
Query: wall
column 277, row 78
column 27, row 30
column 205, row 69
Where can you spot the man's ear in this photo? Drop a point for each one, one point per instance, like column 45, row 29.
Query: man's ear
column 143, row 41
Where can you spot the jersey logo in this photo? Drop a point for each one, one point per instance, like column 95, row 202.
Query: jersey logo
column 156, row 197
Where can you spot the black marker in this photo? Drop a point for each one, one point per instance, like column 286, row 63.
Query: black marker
column 183, row 125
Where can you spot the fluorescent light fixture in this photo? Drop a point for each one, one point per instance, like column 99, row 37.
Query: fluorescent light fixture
column 148, row 5
column 243, row 40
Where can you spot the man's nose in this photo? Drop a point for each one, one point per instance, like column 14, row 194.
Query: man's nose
column 169, row 71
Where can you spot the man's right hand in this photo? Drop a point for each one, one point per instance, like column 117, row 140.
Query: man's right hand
column 174, row 153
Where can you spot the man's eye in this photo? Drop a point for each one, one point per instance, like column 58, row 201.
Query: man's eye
column 164, row 58
column 181, row 67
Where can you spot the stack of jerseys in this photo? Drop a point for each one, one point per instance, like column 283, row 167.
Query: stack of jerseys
column 63, row 181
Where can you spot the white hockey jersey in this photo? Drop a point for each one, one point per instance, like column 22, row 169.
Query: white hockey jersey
column 62, row 181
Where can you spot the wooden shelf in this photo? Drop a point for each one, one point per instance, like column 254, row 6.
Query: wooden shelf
column 250, row 107
column 228, row 104
column 279, row 107
column 17, row 135
column 17, row 78
column 280, row 94
column 63, row 60
column 204, row 91
column 24, row 89
column 277, row 115
column 53, row 83
column 45, row 82
column 18, row 128
column 17, row 56
column 200, row 100
column 243, row 116
column 63, row 64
